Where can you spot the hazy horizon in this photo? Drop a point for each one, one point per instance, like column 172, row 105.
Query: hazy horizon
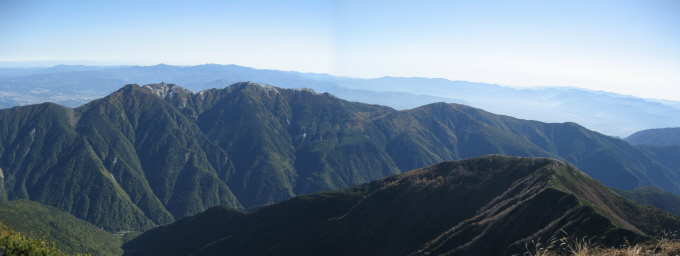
column 624, row 47
column 50, row 64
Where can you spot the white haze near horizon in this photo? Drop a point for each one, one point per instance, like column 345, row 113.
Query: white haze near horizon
column 625, row 47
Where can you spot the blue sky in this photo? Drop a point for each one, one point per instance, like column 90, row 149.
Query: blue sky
column 627, row 47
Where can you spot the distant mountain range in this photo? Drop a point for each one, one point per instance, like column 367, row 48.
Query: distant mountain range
column 143, row 156
column 608, row 113
column 492, row 205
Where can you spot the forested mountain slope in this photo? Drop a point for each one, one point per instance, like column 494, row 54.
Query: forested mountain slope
column 149, row 155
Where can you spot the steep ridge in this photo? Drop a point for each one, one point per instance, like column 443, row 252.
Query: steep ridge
column 44, row 159
column 490, row 205
column 181, row 166
column 653, row 196
column 126, row 161
column 288, row 142
column 610, row 160
column 438, row 132
column 149, row 155
column 656, row 137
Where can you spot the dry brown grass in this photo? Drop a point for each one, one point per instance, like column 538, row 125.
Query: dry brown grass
column 669, row 245
column 662, row 249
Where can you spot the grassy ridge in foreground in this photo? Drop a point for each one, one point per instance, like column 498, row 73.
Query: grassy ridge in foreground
column 668, row 245
column 70, row 234
column 491, row 205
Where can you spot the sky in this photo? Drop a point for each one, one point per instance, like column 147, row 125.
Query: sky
column 626, row 47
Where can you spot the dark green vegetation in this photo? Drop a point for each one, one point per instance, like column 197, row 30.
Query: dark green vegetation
column 653, row 196
column 149, row 155
column 489, row 205
column 657, row 137
column 70, row 234
column 13, row 243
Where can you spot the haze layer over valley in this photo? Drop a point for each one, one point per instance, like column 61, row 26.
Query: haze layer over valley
column 607, row 113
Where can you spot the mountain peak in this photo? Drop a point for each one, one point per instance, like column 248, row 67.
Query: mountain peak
column 265, row 87
column 308, row 90
column 164, row 90
column 272, row 89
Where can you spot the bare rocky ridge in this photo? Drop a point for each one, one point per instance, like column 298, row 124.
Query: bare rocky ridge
column 164, row 90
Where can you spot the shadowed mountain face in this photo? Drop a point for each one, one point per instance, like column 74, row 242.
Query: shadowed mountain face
column 657, row 137
column 149, row 155
column 489, row 205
